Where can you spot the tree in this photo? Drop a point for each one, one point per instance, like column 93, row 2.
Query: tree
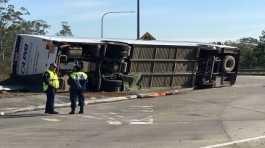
column 249, row 40
column 262, row 37
column 12, row 22
column 148, row 36
column 9, row 16
column 260, row 50
column 66, row 30
column 247, row 48
column 36, row 27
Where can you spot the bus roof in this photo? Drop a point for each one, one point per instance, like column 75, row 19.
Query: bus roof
column 64, row 39
column 127, row 41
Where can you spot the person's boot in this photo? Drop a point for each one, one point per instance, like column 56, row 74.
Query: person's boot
column 81, row 110
column 72, row 112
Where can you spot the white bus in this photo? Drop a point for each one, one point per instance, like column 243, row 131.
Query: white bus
column 116, row 65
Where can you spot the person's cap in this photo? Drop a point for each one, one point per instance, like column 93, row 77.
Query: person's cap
column 54, row 65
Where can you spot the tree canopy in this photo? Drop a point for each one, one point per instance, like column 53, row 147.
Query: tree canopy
column 66, row 30
column 252, row 51
column 12, row 22
column 148, row 36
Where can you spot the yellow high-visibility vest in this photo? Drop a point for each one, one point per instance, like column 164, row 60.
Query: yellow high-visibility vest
column 53, row 81
column 78, row 75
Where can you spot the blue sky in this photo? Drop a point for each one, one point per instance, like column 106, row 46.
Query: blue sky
column 193, row 20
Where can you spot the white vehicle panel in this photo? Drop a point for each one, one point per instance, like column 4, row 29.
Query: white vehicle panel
column 34, row 58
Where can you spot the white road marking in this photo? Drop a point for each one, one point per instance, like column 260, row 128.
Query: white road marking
column 50, row 119
column 10, row 108
column 110, row 118
column 91, row 117
column 248, row 85
column 119, row 116
column 183, row 122
column 103, row 115
column 146, row 121
column 235, row 142
column 114, row 118
column 114, row 122
column 63, row 116
column 145, row 109
column 137, row 122
column 112, row 113
column 141, row 107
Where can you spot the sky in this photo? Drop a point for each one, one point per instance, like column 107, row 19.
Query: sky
column 176, row 20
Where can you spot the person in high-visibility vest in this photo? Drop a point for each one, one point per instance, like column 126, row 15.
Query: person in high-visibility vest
column 49, row 86
column 78, row 82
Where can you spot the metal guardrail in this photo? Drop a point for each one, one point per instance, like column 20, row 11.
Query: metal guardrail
column 251, row 72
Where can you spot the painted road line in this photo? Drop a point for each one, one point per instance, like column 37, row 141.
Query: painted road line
column 146, row 121
column 114, row 122
column 119, row 116
column 51, row 119
column 145, row 109
column 112, row 113
column 235, row 142
column 141, row 106
column 111, row 118
column 139, row 122
column 101, row 115
column 90, row 117
column 248, row 85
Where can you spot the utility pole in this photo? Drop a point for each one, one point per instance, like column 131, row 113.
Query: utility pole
column 138, row 19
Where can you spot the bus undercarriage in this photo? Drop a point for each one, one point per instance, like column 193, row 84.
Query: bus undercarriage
column 118, row 66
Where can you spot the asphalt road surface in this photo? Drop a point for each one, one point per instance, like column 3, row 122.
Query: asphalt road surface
column 232, row 117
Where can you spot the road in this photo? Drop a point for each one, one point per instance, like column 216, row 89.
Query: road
column 231, row 117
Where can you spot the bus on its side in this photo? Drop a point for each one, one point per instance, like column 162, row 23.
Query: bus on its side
column 121, row 65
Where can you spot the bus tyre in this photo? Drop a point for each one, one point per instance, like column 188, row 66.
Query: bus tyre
column 229, row 63
column 112, row 85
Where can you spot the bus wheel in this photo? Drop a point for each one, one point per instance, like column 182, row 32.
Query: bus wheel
column 112, row 85
column 229, row 63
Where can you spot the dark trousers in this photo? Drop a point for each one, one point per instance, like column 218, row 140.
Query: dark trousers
column 74, row 94
column 50, row 100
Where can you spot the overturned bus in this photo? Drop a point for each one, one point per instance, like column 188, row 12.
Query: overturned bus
column 118, row 65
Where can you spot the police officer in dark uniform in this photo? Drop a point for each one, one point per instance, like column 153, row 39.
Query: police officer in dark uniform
column 78, row 82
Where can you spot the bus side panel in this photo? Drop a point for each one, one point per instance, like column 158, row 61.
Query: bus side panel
column 25, row 55
column 33, row 57
column 44, row 57
column 15, row 56
column 19, row 56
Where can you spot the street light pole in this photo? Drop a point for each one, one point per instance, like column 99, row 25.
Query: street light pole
column 138, row 19
column 106, row 13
